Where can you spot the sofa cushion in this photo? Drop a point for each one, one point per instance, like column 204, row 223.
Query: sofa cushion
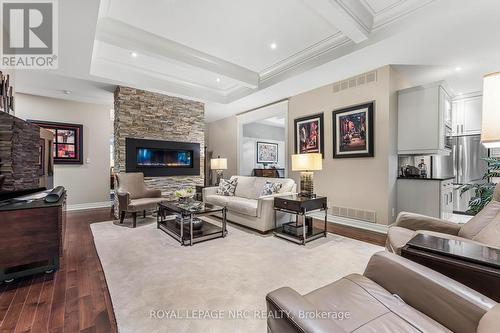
column 481, row 220
column 227, row 187
column 246, row 187
column 215, row 199
column 271, row 188
column 234, row 204
column 243, row 206
column 370, row 304
column 144, row 203
column 490, row 234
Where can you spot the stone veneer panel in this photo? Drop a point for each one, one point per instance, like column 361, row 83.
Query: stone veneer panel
column 146, row 115
column 19, row 153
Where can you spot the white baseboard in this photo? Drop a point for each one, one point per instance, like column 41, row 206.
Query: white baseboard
column 89, row 205
column 380, row 228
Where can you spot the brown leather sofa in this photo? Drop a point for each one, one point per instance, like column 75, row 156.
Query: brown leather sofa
column 134, row 196
column 393, row 295
column 484, row 228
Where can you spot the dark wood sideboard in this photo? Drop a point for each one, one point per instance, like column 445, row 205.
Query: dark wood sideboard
column 31, row 237
column 471, row 264
column 269, row 173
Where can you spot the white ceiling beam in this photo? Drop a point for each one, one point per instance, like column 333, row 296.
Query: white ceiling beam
column 349, row 16
column 125, row 36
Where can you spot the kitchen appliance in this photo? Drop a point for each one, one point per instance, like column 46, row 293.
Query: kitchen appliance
column 465, row 164
column 410, row 171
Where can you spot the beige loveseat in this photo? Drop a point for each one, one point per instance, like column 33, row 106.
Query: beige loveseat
column 484, row 228
column 248, row 206
column 394, row 295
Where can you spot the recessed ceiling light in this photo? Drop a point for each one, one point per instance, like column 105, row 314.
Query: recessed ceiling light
column 217, row 80
column 458, row 69
column 134, row 54
column 273, row 46
column 66, row 92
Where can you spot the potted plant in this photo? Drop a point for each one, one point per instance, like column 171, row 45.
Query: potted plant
column 483, row 192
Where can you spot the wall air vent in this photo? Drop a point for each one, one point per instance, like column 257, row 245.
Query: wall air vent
column 353, row 213
column 355, row 81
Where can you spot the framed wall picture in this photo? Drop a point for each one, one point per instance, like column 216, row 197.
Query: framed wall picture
column 267, row 152
column 309, row 134
column 68, row 141
column 353, row 134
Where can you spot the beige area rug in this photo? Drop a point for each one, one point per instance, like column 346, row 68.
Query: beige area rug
column 156, row 285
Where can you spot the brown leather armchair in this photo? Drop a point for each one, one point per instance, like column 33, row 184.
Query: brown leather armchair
column 393, row 295
column 484, row 228
column 134, row 196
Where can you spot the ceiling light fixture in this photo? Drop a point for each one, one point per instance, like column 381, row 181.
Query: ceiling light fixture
column 273, row 46
column 458, row 69
column 66, row 92
column 217, row 80
column 134, row 54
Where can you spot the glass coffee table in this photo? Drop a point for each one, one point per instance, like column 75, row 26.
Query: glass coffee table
column 173, row 214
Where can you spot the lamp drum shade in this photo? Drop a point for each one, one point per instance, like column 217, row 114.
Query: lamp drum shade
column 307, row 162
column 490, row 131
column 218, row 163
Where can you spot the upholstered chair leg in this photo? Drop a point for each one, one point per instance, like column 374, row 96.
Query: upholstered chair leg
column 122, row 216
column 144, row 213
column 134, row 216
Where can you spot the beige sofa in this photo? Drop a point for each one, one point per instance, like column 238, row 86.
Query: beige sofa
column 248, row 207
column 394, row 295
column 484, row 228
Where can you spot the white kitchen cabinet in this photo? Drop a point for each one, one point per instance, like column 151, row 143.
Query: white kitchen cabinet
column 424, row 120
column 467, row 115
column 431, row 197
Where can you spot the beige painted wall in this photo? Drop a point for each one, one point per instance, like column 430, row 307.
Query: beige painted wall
column 221, row 139
column 87, row 183
column 360, row 183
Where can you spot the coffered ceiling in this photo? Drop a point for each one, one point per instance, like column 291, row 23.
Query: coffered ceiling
column 221, row 50
column 237, row 55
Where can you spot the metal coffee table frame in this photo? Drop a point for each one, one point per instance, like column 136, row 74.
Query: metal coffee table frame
column 208, row 230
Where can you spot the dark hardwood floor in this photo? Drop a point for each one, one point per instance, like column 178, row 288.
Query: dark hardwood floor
column 74, row 299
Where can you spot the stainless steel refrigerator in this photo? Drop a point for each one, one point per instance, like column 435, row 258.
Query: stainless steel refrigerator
column 465, row 164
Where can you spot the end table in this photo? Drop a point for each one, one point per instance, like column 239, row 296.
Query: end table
column 304, row 231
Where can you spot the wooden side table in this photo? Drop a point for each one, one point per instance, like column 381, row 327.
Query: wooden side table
column 303, row 231
column 473, row 265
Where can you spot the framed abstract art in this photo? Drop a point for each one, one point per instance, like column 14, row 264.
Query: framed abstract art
column 353, row 134
column 68, row 141
column 267, row 152
column 309, row 134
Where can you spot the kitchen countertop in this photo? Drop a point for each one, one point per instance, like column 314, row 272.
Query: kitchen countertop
column 419, row 178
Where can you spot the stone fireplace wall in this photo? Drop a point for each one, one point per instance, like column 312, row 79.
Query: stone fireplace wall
column 146, row 115
column 19, row 153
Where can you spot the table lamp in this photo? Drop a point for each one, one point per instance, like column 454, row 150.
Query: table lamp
column 490, row 131
column 218, row 164
column 306, row 164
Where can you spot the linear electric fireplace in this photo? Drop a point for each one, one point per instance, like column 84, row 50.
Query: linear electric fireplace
column 157, row 158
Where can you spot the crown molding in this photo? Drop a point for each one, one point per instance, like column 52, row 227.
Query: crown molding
column 354, row 20
column 153, row 81
column 304, row 56
column 123, row 35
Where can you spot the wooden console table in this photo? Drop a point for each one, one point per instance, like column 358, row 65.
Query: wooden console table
column 473, row 265
column 32, row 236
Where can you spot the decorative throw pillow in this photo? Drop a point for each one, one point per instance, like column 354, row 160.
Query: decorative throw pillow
column 271, row 188
column 227, row 187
